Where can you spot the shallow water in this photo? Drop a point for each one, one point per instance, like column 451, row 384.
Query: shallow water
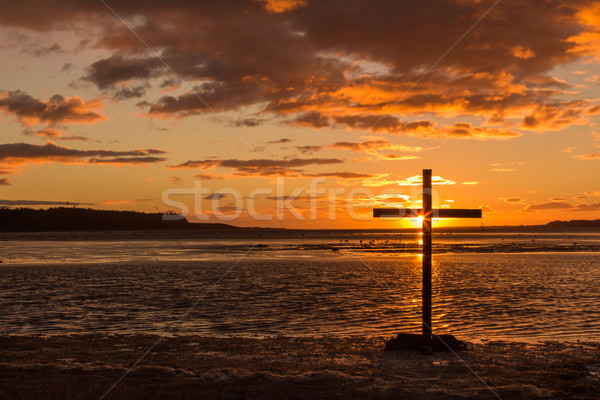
column 77, row 247
column 191, row 287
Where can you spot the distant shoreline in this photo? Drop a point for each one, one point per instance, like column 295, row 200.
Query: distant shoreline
column 72, row 219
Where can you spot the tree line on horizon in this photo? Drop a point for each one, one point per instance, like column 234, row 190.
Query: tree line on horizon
column 84, row 219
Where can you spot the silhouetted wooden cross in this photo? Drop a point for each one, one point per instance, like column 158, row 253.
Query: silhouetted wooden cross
column 427, row 213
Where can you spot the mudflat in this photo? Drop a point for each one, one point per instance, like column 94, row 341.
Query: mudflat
column 192, row 367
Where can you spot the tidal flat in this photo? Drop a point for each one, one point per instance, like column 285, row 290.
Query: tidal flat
column 327, row 367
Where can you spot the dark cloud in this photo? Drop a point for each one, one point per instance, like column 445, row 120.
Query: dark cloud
column 66, row 67
column 247, row 122
column 354, row 62
column 280, row 141
column 381, row 123
column 587, row 207
column 5, row 182
column 257, row 163
column 270, row 142
column 343, row 175
column 41, row 203
column 466, row 130
column 127, row 92
column 215, row 196
column 207, row 176
column 270, row 167
column 392, row 125
column 308, row 149
column 116, row 202
column 513, row 200
column 41, row 51
column 563, row 206
column 285, row 198
column 50, row 133
column 23, row 153
column 313, row 119
column 56, row 110
column 47, row 133
column 548, row 206
column 109, row 71
column 71, row 138
column 126, row 160
column 175, row 180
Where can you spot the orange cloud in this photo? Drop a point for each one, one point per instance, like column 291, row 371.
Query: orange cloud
column 504, row 167
column 389, row 124
column 466, row 130
column 47, row 133
column 522, row 52
column 117, row 202
column 588, row 156
column 208, row 176
column 553, row 117
column 377, row 181
column 399, row 157
column 331, row 64
column 279, row 6
column 113, row 202
column 418, row 180
column 377, row 147
column 588, row 41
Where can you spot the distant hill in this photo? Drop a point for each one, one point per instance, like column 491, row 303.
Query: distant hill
column 575, row 224
column 86, row 219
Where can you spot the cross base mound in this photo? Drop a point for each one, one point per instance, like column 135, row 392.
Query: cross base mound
column 413, row 341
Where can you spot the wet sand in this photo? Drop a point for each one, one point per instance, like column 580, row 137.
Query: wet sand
column 191, row 367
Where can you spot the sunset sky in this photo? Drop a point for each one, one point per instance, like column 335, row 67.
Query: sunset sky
column 111, row 104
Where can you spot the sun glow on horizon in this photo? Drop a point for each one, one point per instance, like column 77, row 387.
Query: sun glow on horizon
column 100, row 125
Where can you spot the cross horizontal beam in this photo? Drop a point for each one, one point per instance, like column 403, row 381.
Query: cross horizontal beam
column 436, row 213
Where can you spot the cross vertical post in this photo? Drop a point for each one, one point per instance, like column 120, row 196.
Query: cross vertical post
column 427, row 212
column 426, row 345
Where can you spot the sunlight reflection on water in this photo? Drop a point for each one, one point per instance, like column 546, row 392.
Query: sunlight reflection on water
column 516, row 296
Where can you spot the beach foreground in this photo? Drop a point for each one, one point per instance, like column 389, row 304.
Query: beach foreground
column 185, row 367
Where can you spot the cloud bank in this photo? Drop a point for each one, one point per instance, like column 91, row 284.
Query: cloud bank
column 331, row 64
